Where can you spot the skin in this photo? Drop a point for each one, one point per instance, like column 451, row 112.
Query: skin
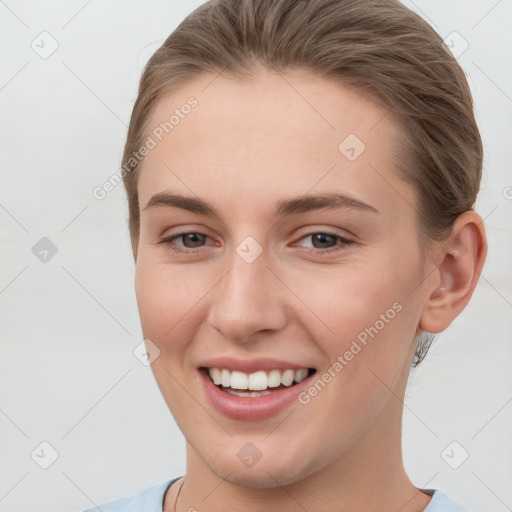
column 248, row 144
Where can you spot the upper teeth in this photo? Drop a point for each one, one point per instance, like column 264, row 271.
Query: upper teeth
column 256, row 381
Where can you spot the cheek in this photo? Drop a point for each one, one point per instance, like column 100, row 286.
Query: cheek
column 371, row 318
column 372, row 325
column 166, row 297
column 351, row 298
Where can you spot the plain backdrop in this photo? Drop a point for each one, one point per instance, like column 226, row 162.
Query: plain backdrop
column 69, row 321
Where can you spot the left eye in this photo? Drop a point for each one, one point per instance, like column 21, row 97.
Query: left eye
column 319, row 239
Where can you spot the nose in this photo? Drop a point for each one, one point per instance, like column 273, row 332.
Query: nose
column 249, row 299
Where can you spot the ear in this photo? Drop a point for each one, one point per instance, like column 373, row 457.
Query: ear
column 454, row 280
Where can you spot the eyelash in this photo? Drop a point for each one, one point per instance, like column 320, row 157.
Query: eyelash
column 345, row 242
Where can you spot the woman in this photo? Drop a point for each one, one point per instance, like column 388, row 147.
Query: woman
column 301, row 177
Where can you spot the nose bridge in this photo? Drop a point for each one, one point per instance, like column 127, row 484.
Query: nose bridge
column 246, row 300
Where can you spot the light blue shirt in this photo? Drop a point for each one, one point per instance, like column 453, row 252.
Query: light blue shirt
column 151, row 500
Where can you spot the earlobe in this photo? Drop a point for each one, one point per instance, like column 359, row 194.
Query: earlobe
column 453, row 282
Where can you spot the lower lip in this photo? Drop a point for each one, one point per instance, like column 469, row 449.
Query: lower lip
column 251, row 408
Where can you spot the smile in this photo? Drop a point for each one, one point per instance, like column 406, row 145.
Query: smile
column 258, row 383
column 253, row 396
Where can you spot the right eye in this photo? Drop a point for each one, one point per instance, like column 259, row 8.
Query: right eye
column 192, row 237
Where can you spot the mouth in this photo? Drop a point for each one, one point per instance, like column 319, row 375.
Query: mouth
column 256, row 384
column 253, row 389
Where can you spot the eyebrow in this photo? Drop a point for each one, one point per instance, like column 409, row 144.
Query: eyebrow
column 283, row 207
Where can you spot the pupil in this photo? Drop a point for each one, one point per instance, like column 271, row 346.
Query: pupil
column 195, row 238
column 322, row 237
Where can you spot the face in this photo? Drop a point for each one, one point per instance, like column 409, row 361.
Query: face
column 268, row 277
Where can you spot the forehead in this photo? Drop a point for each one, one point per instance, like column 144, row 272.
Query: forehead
column 289, row 131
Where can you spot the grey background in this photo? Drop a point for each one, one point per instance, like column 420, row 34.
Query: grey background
column 70, row 324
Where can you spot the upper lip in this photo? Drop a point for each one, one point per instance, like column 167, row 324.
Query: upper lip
column 250, row 365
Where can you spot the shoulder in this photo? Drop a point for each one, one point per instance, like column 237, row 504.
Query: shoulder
column 442, row 503
column 148, row 500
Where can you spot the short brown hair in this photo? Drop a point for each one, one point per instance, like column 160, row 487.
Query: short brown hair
column 379, row 46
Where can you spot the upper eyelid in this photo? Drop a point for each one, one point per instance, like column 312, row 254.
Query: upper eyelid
column 183, row 233
column 301, row 237
column 338, row 237
column 331, row 230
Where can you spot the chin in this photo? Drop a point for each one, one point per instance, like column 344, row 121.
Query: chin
column 259, row 479
column 274, row 472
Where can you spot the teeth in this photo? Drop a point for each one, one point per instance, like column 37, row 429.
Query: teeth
column 257, row 381
column 274, row 379
column 252, row 394
column 287, row 377
column 239, row 380
column 225, row 378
